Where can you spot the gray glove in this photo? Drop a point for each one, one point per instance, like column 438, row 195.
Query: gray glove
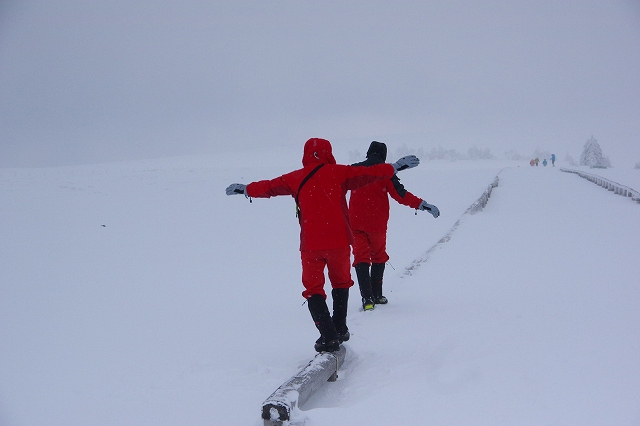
column 236, row 188
column 430, row 208
column 407, row 162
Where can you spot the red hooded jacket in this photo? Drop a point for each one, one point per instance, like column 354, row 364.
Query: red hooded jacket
column 369, row 206
column 324, row 218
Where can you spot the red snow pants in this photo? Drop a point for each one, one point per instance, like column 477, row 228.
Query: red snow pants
column 369, row 247
column 338, row 266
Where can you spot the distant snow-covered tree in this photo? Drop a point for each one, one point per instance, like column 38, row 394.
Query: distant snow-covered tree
column 444, row 154
column 476, row 153
column 439, row 153
column 592, row 155
column 569, row 159
column 355, row 156
column 513, row 155
column 403, row 150
column 541, row 154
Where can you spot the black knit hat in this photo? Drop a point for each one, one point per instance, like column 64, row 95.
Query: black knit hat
column 379, row 149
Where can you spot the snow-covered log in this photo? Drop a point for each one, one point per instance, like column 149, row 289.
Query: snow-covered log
column 623, row 190
column 474, row 208
column 298, row 389
column 484, row 198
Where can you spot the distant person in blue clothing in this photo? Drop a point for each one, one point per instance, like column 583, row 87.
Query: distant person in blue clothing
column 544, row 162
column 553, row 160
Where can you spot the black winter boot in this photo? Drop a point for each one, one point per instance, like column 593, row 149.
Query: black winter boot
column 340, row 304
column 377, row 272
column 328, row 341
column 364, row 282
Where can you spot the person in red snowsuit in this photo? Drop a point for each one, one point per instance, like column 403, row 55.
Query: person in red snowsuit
column 319, row 189
column 369, row 215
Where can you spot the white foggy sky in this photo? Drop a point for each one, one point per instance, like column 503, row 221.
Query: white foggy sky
column 92, row 81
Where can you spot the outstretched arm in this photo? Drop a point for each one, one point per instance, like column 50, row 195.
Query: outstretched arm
column 261, row 188
column 359, row 176
column 404, row 197
column 269, row 188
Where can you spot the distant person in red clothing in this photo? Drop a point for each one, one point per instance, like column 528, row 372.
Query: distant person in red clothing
column 319, row 189
column 369, row 215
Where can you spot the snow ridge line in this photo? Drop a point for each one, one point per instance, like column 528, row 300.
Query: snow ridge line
column 474, row 208
column 623, row 190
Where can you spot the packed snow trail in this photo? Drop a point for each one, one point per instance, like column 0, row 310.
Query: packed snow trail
column 528, row 316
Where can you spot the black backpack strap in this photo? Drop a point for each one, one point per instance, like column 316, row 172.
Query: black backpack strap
column 302, row 184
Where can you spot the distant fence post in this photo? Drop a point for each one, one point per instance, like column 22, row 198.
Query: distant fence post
column 618, row 189
column 298, row 389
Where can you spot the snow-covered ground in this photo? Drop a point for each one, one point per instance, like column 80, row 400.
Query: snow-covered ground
column 140, row 294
